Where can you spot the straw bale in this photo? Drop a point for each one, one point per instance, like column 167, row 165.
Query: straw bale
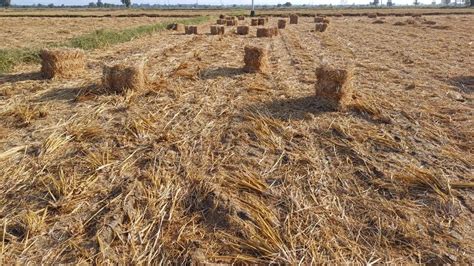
column 267, row 32
column 191, row 29
column 372, row 15
column 62, row 63
column 242, row 30
column 125, row 76
column 241, row 18
column 293, row 19
column 261, row 21
column 256, row 59
column 231, row 22
column 175, row 26
column 321, row 27
column 221, row 22
column 221, row 16
column 333, row 87
column 321, row 20
column 282, row 23
column 254, row 22
column 217, row 29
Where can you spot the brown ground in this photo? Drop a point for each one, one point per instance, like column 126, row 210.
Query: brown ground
column 210, row 164
column 22, row 32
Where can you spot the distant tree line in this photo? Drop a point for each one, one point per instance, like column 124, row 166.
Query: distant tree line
column 5, row 3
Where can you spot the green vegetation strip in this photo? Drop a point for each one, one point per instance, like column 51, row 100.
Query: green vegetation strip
column 98, row 39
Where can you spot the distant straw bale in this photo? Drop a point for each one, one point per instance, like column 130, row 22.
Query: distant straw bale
column 242, row 30
column 372, row 15
column 399, row 23
column 221, row 16
column 254, row 22
column 191, row 29
column 217, row 29
column 256, row 59
column 293, row 19
column 231, row 22
column 267, row 32
column 122, row 77
column 62, row 63
column 333, row 87
column 261, row 21
column 321, row 27
column 282, row 23
column 241, row 18
column 321, row 20
column 221, row 22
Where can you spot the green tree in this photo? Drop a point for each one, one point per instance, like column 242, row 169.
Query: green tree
column 287, row 4
column 99, row 3
column 5, row 3
column 127, row 3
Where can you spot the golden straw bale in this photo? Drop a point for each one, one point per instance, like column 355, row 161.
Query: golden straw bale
column 242, row 30
column 221, row 16
column 261, row 21
column 62, row 63
column 191, row 29
column 221, row 22
column 333, row 87
column 122, row 77
column 321, row 27
column 293, row 19
column 282, row 23
column 256, row 59
column 241, row 18
column 321, row 20
column 231, row 22
column 267, row 32
column 217, row 29
column 254, row 22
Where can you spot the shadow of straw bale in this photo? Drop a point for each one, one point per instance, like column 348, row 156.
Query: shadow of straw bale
column 21, row 77
column 70, row 94
column 221, row 72
column 292, row 109
column 463, row 83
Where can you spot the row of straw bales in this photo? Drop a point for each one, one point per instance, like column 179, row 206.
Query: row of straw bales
column 333, row 88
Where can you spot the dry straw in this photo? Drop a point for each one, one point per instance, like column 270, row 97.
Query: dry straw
column 261, row 21
column 62, row 63
column 242, row 30
column 221, row 22
column 255, row 59
column 333, row 87
column 254, row 22
column 231, row 22
column 282, row 23
column 124, row 76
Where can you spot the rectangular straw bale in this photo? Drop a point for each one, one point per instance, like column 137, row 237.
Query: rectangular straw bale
column 282, row 23
column 333, row 87
column 217, row 29
column 256, row 59
column 191, row 29
column 321, row 20
column 122, row 77
column 221, row 22
column 242, row 30
column 261, row 21
column 62, row 63
column 241, row 18
column 321, row 27
column 267, row 32
column 254, row 22
column 293, row 19
column 231, row 22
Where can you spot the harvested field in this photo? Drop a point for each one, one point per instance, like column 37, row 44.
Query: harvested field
column 38, row 32
column 207, row 163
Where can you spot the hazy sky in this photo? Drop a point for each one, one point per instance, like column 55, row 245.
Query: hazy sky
column 212, row 2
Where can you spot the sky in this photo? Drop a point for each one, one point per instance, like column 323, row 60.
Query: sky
column 213, row 2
